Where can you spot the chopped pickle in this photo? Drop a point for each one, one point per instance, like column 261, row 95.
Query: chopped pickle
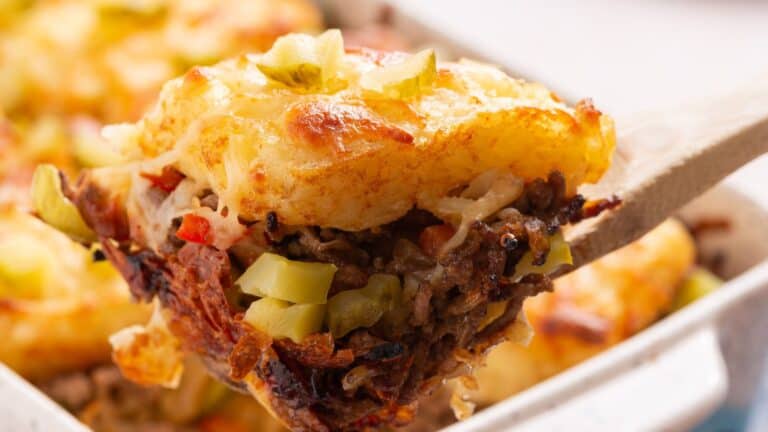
column 363, row 307
column 24, row 268
column 330, row 49
column 494, row 310
column 697, row 285
column 404, row 79
column 559, row 255
column 281, row 319
column 302, row 61
column 294, row 281
column 54, row 208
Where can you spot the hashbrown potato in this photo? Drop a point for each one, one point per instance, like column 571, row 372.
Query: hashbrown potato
column 352, row 160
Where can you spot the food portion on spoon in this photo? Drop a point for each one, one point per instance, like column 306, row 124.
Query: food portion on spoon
column 336, row 231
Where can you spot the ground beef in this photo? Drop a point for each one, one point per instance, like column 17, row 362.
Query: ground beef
column 101, row 210
column 106, row 401
column 406, row 354
column 701, row 229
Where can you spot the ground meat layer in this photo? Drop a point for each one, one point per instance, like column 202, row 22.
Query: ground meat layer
column 371, row 376
column 106, row 401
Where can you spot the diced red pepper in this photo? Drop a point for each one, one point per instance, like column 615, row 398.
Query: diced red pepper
column 195, row 229
column 432, row 239
column 167, row 180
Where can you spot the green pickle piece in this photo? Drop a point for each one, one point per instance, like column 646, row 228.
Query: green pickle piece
column 56, row 209
column 697, row 285
column 363, row 307
column 281, row 319
column 559, row 255
column 294, row 281
column 302, row 61
column 403, row 80
column 294, row 75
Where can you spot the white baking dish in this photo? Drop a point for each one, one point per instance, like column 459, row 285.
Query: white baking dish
column 668, row 377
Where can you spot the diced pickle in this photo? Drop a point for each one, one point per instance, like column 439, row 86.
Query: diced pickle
column 363, row 307
column 281, row 319
column 302, row 61
column 385, row 288
column 294, row 281
column 559, row 255
column 330, row 49
column 697, row 285
column 404, row 79
column 306, row 74
column 54, row 208
column 352, row 309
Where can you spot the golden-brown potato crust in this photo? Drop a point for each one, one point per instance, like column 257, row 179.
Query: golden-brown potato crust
column 354, row 159
column 592, row 309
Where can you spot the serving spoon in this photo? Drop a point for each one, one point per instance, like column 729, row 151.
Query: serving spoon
column 664, row 159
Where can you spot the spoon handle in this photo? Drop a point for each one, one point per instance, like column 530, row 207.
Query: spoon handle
column 665, row 159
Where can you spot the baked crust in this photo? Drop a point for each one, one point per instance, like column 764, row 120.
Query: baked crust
column 352, row 159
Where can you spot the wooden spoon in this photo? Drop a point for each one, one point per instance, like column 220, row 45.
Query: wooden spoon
column 665, row 159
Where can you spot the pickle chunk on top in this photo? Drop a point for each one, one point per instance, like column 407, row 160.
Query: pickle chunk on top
column 354, row 139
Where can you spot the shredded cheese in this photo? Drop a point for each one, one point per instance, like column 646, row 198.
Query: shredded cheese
column 485, row 195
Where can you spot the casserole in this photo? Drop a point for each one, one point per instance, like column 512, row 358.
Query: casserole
column 559, row 392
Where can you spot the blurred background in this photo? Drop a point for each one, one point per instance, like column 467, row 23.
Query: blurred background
column 67, row 67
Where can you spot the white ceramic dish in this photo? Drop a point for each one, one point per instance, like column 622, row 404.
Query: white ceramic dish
column 668, row 377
